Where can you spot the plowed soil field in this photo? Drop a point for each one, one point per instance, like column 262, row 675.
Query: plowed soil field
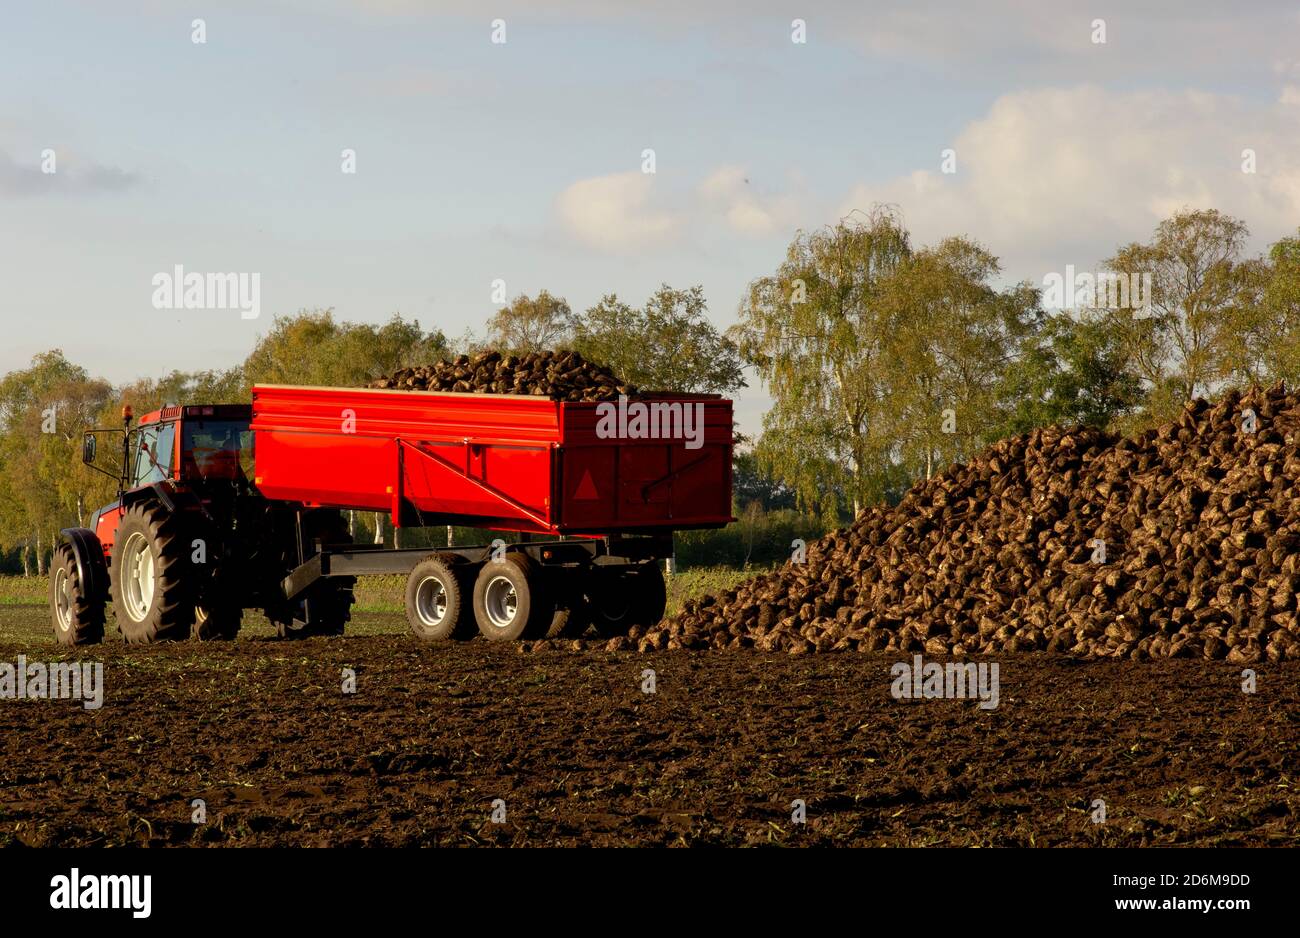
column 565, row 747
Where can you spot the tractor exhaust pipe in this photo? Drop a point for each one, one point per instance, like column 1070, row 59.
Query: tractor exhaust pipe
column 127, row 414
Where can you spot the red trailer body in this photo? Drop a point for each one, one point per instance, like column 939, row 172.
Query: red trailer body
column 506, row 462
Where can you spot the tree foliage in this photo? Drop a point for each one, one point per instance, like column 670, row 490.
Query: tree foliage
column 1183, row 347
column 949, row 337
column 313, row 348
column 1073, row 370
column 531, row 324
column 669, row 344
column 815, row 332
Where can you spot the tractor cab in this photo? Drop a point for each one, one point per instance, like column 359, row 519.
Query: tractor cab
column 190, row 445
column 196, row 453
column 193, row 445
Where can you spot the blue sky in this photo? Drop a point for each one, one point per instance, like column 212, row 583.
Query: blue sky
column 478, row 161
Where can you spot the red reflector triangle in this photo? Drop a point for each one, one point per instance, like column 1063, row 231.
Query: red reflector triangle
column 586, row 491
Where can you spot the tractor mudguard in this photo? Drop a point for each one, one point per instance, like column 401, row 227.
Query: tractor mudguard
column 157, row 490
column 168, row 497
column 91, row 568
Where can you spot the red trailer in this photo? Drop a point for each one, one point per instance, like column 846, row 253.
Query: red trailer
column 224, row 508
column 508, row 462
column 603, row 484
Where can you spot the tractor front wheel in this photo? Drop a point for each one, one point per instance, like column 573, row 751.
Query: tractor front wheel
column 78, row 617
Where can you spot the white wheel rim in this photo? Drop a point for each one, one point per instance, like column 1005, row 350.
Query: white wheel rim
column 500, row 601
column 431, row 601
column 137, row 588
column 63, row 599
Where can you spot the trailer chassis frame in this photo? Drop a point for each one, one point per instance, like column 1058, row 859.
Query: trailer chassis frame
column 365, row 559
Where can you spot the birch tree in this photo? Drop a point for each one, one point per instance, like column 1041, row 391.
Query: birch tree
column 1181, row 346
column 950, row 336
column 816, row 333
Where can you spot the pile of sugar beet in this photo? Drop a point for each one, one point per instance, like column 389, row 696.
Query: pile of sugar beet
column 1183, row 541
column 560, row 375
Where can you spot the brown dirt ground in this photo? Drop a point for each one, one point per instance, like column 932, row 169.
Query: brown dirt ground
column 261, row 730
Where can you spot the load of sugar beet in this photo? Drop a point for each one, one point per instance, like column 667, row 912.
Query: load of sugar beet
column 1183, row 541
column 563, row 376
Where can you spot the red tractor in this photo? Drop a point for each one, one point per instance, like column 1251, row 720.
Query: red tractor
column 188, row 543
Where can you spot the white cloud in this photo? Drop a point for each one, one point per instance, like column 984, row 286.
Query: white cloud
column 1046, row 175
column 616, row 212
column 727, row 191
column 631, row 211
column 74, row 176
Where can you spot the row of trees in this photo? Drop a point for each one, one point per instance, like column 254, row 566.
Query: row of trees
column 885, row 362
column 667, row 343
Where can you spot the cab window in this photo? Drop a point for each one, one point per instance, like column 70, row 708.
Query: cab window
column 153, row 458
column 217, row 449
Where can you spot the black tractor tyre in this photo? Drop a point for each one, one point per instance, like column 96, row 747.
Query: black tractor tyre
column 439, row 600
column 78, row 618
column 510, row 600
column 217, row 624
column 151, row 582
column 620, row 597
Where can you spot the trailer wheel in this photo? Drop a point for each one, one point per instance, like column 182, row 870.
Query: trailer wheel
column 510, row 599
column 621, row 597
column 218, row 624
column 78, row 618
column 438, row 602
column 152, row 597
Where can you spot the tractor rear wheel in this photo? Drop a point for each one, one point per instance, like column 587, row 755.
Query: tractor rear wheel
column 153, row 597
column 78, row 618
column 623, row 596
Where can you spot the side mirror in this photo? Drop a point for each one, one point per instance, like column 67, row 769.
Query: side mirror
column 88, row 444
